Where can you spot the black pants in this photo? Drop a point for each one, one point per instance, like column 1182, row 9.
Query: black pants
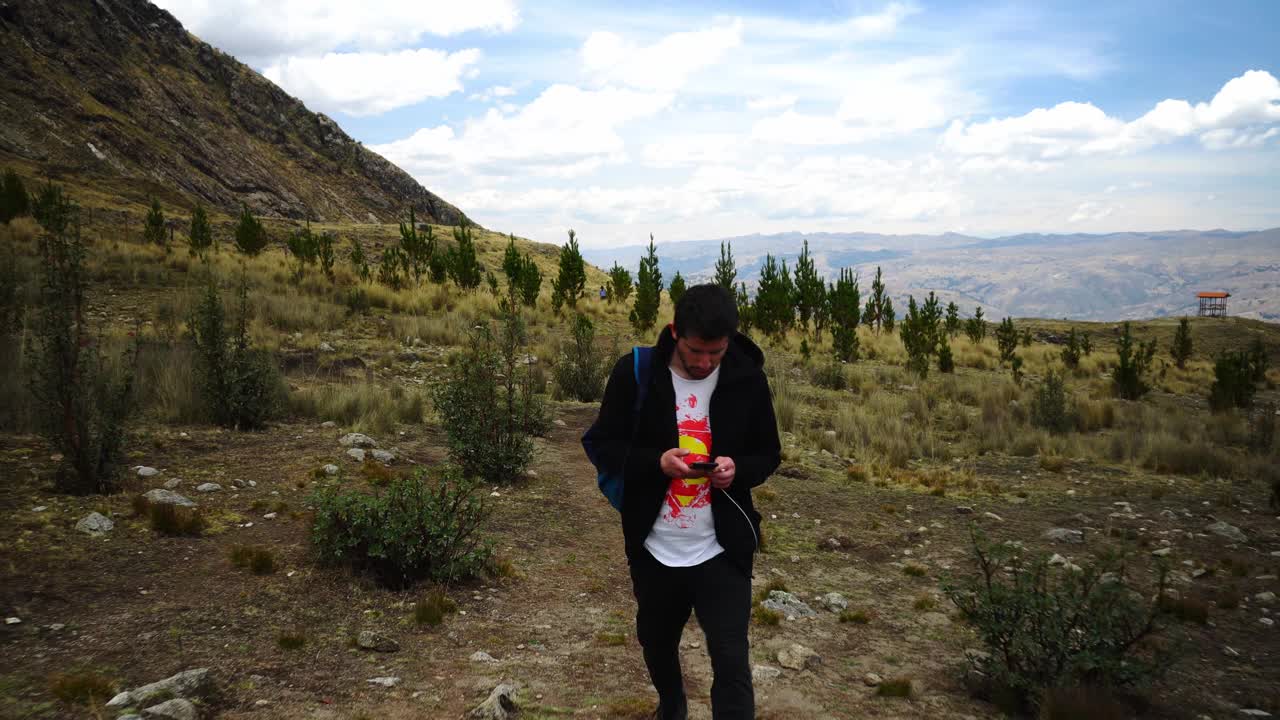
column 721, row 595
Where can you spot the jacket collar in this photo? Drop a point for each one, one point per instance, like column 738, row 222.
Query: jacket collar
column 743, row 358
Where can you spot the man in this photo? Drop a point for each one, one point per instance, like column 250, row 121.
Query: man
column 690, row 528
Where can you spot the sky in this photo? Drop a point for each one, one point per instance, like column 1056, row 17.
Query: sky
column 698, row 120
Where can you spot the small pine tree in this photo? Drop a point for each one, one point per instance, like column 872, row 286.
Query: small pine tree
column 530, row 282
column 1181, row 348
column 648, row 290
column 325, row 254
column 619, row 288
column 1050, row 408
column 1131, row 365
column 1026, row 337
column 1258, row 359
column 887, row 317
column 975, row 327
column 676, row 291
column 512, row 262
column 417, row 246
column 873, row 314
column 846, row 314
column 746, row 309
column 464, row 268
column 1007, row 340
column 1086, row 345
column 1071, row 350
column 391, row 268
column 916, row 336
column 953, row 320
column 726, row 271
column 581, row 371
column 359, row 261
column 303, row 247
column 251, row 236
column 774, row 309
column 1232, row 382
column 53, row 209
column 153, row 231
column 14, row 201
column 946, row 362
column 240, row 383
column 809, row 289
column 931, row 319
column 571, row 280
column 201, row 236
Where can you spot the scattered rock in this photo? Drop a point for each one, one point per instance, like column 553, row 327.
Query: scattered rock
column 386, row 457
column 992, row 516
column 326, row 347
column 175, row 709
column 240, row 483
column 798, row 657
column 964, row 510
column 130, row 716
column 872, row 680
column 830, row 544
column 1268, row 622
column 146, row 472
column 356, row 454
column 40, row 508
column 559, row 423
column 370, row 640
column 172, row 484
column 788, row 604
column 13, row 621
column 167, row 497
column 95, row 524
column 1064, row 535
column 1265, row 598
column 1162, row 552
column 500, row 705
column 481, row 656
column 834, row 601
column 187, row 684
column 208, row 487
column 269, row 516
column 1253, row 712
column 328, row 424
column 330, row 470
column 1226, row 530
column 357, row 440
column 764, row 673
column 387, row 682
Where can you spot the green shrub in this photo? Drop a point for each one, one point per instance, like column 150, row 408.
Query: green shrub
column 895, row 687
column 1258, row 359
column 85, row 400
column 153, row 230
column 251, row 236
column 946, row 362
column 1079, row 703
column 857, row 617
column 201, row 234
column 241, row 384
column 81, row 688
column 14, row 201
column 431, row 609
column 420, row 527
column 1050, row 408
column 257, row 559
column 487, row 405
column 175, row 520
column 1132, row 364
column 1232, row 382
column 830, row 375
column 1046, row 628
column 582, row 368
column 764, row 616
column 291, row 640
column 1007, row 340
column 1071, row 351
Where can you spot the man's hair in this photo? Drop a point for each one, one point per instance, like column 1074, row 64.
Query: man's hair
column 706, row 311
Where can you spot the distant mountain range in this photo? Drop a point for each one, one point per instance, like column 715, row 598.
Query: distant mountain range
column 1116, row 276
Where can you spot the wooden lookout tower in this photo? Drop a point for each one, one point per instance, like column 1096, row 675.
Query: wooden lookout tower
column 1213, row 304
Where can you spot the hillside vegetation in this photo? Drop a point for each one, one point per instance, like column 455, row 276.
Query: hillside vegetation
column 903, row 472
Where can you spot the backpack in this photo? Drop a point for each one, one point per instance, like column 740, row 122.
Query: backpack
column 609, row 480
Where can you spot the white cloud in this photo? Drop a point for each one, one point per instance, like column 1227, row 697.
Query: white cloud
column 1236, row 117
column 263, row 31
column 697, row 149
column 566, row 131
column 372, row 83
column 772, row 102
column 1091, row 211
column 858, row 27
column 608, row 58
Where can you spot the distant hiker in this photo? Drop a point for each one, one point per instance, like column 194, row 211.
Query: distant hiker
column 602, row 292
column 689, row 547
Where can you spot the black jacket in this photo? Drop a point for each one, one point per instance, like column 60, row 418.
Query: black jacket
column 742, row 427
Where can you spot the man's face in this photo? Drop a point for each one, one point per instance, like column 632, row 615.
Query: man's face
column 699, row 357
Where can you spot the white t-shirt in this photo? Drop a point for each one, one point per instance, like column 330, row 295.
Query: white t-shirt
column 684, row 534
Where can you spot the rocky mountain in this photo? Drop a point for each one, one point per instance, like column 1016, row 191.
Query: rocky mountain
column 117, row 95
column 1115, row 276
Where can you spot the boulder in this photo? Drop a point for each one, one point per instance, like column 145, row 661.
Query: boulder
column 834, row 601
column 798, row 657
column 357, row 440
column 481, row 656
column 1228, row 531
column 788, row 604
column 146, row 472
column 1064, row 535
column 386, row 457
column 172, row 484
column 370, row 640
column 175, row 709
column 500, row 705
column 166, row 497
column 356, row 454
column 764, row 673
column 194, row 683
column 95, row 524
column 208, row 487
column 330, row 470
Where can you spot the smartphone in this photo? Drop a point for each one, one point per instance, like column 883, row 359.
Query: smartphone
column 705, row 466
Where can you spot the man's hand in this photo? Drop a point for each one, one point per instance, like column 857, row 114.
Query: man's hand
column 673, row 465
column 725, row 471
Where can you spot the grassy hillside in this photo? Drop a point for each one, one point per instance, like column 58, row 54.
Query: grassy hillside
column 884, row 474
